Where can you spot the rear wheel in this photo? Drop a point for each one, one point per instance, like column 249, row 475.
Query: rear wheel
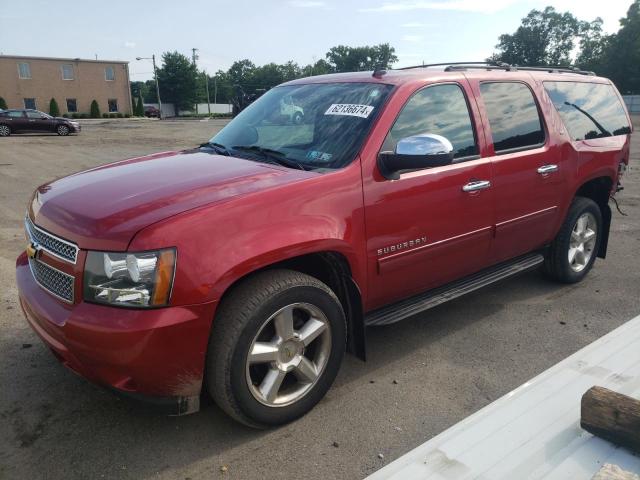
column 5, row 130
column 275, row 349
column 575, row 248
column 62, row 130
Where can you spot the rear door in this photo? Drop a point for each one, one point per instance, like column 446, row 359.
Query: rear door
column 17, row 120
column 426, row 228
column 528, row 169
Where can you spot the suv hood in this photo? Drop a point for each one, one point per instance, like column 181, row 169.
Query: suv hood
column 105, row 207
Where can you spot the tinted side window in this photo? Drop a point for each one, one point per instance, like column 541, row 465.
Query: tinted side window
column 513, row 115
column 588, row 110
column 440, row 109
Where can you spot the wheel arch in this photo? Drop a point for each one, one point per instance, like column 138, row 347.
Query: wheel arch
column 333, row 269
column 599, row 190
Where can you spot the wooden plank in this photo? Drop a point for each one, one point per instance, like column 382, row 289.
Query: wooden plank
column 612, row 416
column 614, row 472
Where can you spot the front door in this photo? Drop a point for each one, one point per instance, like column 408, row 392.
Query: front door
column 431, row 226
column 529, row 172
column 38, row 122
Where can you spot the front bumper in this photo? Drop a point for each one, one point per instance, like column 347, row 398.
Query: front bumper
column 157, row 355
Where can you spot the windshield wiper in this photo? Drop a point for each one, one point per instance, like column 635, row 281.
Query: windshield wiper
column 218, row 147
column 273, row 155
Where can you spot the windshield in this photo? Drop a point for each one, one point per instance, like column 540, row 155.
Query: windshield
column 313, row 126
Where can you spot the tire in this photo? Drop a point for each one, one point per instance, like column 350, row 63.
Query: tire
column 5, row 130
column 574, row 250
column 297, row 118
column 62, row 130
column 246, row 322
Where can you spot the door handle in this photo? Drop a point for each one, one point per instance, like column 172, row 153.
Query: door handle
column 476, row 185
column 543, row 170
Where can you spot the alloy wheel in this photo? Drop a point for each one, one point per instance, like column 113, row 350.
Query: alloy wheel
column 4, row 131
column 63, row 130
column 582, row 242
column 288, row 355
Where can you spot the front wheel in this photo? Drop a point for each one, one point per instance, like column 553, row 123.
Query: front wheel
column 275, row 349
column 575, row 248
column 62, row 130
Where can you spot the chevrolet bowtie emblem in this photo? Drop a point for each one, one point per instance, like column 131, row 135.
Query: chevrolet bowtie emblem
column 33, row 250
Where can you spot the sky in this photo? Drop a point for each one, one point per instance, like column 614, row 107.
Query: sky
column 271, row 30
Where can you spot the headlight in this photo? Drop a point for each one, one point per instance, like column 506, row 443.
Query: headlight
column 130, row 279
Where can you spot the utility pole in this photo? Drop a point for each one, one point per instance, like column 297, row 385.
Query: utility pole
column 155, row 74
column 206, row 84
column 194, row 57
column 215, row 89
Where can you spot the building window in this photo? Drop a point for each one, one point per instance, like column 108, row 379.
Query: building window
column 30, row 103
column 67, row 72
column 113, row 105
column 72, row 106
column 24, row 70
column 109, row 74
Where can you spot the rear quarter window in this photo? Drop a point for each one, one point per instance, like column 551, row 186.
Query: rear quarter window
column 588, row 110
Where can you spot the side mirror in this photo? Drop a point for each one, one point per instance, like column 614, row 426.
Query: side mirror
column 426, row 150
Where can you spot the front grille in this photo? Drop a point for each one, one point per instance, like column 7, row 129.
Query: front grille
column 50, row 243
column 54, row 281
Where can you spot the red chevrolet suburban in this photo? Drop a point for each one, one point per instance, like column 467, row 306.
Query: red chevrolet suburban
column 246, row 267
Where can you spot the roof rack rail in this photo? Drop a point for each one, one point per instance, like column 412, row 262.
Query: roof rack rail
column 455, row 66
column 446, row 64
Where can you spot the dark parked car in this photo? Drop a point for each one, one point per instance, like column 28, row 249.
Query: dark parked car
column 151, row 112
column 28, row 121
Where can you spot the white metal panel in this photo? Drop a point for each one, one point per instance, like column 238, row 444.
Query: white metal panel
column 534, row 431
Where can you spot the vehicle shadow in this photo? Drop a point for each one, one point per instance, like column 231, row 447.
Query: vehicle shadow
column 43, row 134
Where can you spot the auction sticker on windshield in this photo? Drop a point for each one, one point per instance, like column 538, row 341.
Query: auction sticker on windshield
column 350, row 109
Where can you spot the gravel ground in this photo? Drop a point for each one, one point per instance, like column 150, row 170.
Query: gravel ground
column 422, row 375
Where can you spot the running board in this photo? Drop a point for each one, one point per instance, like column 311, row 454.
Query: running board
column 406, row 308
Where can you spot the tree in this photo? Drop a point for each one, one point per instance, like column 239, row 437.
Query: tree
column 220, row 87
column 137, row 88
column 178, row 80
column 356, row 59
column 242, row 73
column 94, row 110
column 3, row 104
column 544, row 38
column 54, row 111
column 138, row 110
column 149, row 94
column 321, row 67
column 246, row 79
column 621, row 53
column 593, row 45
